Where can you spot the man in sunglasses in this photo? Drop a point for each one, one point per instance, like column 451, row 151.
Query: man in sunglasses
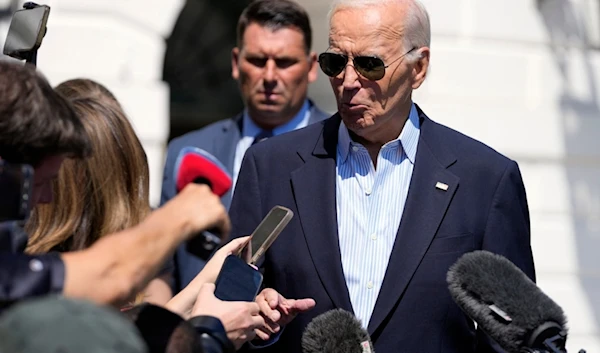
column 385, row 199
column 274, row 66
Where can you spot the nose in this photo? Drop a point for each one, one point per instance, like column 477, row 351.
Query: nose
column 270, row 74
column 350, row 78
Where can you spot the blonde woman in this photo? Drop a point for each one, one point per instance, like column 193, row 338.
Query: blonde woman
column 103, row 194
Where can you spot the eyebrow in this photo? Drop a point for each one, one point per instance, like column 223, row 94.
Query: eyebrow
column 276, row 57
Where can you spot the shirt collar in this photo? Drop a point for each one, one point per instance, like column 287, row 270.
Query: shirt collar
column 250, row 128
column 408, row 139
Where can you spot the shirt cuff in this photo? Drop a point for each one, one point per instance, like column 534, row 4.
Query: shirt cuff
column 258, row 343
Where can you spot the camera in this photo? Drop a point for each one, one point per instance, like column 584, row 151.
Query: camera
column 16, row 184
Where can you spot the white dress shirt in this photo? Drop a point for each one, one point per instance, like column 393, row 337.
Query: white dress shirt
column 370, row 204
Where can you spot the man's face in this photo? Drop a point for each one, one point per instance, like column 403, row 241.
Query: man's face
column 44, row 175
column 364, row 105
column 273, row 70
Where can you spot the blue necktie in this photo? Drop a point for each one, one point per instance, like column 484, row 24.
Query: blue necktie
column 263, row 135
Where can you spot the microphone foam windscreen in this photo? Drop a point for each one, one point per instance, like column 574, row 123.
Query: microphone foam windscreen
column 336, row 331
column 503, row 301
column 196, row 164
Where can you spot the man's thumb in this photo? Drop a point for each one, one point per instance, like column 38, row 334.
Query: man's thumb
column 302, row 305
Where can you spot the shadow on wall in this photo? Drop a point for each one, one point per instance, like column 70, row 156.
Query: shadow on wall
column 320, row 91
column 579, row 107
column 197, row 64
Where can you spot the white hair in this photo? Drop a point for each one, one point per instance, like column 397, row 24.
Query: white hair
column 417, row 30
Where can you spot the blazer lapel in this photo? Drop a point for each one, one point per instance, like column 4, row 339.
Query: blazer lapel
column 424, row 209
column 314, row 191
column 232, row 133
column 225, row 146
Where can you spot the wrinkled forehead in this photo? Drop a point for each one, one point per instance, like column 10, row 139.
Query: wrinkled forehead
column 366, row 28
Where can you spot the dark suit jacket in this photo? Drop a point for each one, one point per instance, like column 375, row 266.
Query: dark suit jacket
column 18, row 279
column 219, row 139
column 484, row 207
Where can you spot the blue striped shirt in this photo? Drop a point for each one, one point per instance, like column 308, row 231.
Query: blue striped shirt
column 369, row 208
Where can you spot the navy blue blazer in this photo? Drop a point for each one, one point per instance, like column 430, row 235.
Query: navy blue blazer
column 484, row 207
column 19, row 280
column 219, row 139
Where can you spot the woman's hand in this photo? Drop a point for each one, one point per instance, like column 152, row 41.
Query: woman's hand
column 211, row 270
column 184, row 301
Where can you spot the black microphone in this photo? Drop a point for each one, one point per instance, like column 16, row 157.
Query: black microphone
column 336, row 331
column 506, row 304
column 165, row 331
column 195, row 165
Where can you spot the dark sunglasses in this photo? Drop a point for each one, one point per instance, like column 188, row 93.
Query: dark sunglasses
column 370, row 67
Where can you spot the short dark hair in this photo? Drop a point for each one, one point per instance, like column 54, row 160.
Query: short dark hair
column 35, row 121
column 275, row 14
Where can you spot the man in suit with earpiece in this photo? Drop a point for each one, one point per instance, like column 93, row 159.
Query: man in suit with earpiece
column 274, row 65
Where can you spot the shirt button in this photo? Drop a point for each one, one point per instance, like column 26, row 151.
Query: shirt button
column 368, row 191
column 370, row 285
column 36, row 265
column 374, row 236
column 355, row 148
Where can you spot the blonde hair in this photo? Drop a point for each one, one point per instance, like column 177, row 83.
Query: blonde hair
column 103, row 194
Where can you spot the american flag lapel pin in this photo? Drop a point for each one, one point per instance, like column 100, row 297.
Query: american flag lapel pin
column 441, row 186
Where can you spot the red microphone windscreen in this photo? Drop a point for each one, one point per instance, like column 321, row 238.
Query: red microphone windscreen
column 196, row 165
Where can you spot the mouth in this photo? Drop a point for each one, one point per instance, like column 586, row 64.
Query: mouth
column 269, row 93
column 269, row 97
column 353, row 107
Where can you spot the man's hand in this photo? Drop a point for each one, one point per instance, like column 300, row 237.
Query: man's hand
column 278, row 311
column 107, row 273
column 240, row 319
column 200, row 209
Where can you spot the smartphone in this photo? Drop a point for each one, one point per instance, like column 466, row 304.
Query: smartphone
column 237, row 281
column 26, row 31
column 16, row 184
column 265, row 234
